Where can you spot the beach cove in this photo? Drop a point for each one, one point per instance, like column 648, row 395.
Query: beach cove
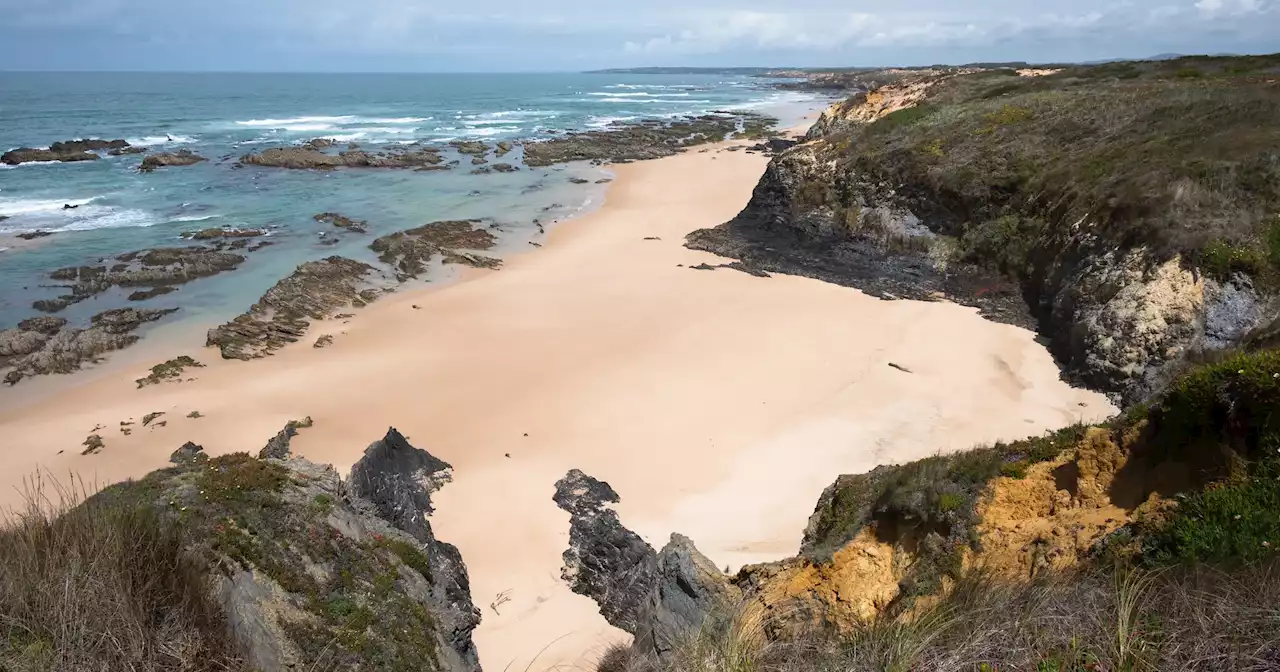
column 718, row 403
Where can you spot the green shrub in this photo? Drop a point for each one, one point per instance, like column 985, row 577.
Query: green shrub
column 1226, row 523
column 904, row 117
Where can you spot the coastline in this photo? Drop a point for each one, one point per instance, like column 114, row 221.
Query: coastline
column 597, row 352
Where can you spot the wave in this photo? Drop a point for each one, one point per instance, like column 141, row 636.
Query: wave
column 22, row 206
column 605, row 122
column 640, row 94
column 490, row 131
column 161, row 140
column 106, row 217
column 392, row 120
column 295, row 121
column 641, row 86
column 646, row 101
column 193, row 218
column 503, row 114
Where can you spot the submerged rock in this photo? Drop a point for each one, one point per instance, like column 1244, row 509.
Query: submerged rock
column 223, row 232
column 316, row 290
column 182, row 157
column 409, row 251
column 65, row 350
column 342, row 222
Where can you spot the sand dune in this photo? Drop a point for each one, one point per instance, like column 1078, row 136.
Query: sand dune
column 717, row 403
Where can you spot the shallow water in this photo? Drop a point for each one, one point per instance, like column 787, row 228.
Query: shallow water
column 224, row 116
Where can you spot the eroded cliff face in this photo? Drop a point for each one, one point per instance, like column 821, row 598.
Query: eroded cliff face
column 1118, row 315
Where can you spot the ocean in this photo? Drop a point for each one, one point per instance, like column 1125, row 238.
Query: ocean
column 224, row 116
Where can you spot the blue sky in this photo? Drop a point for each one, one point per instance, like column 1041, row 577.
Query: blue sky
column 553, row 35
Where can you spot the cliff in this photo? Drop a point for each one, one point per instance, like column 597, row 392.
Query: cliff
column 1028, row 555
column 243, row 563
column 1128, row 214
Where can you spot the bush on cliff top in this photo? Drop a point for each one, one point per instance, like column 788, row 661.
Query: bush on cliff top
column 1184, row 166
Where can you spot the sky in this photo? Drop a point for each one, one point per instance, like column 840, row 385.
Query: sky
column 571, row 35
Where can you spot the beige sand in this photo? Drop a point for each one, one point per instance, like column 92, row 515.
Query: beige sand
column 717, row 403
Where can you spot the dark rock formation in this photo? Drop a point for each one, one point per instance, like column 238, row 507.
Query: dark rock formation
column 217, row 233
column 474, row 148
column 409, row 251
column 578, row 180
column 278, row 447
column 188, row 453
column 160, row 267
column 309, row 158
column 649, row 139
column 314, row 291
column 125, row 151
column 342, row 222
column 67, row 151
column 31, row 235
column 398, row 480
column 45, row 345
column 182, row 157
column 658, row 597
column 502, row 149
column 504, row 168
column 171, row 370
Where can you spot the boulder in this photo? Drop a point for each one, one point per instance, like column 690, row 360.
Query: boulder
column 182, row 157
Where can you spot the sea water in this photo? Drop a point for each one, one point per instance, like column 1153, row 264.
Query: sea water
column 225, row 116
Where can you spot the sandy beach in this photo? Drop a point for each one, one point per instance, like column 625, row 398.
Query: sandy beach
column 718, row 404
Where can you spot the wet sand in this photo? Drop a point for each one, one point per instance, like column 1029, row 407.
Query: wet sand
column 718, row 404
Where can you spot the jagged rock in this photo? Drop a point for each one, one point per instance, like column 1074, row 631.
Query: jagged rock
column 503, row 148
column 474, row 148
column 67, row 151
column 188, row 453
column 409, row 251
column 398, row 480
column 658, row 597
column 314, row 291
column 168, row 371
column 309, row 158
column 155, row 268
column 182, row 157
column 125, row 151
column 66, row 350
column 278, row 447
column 342, row 222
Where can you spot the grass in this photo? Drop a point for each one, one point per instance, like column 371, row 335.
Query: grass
column 1182, row 165
column 102, row 587
column 1118, row 619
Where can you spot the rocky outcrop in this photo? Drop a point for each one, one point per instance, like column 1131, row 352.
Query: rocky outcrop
column 311, row 158
column 879, row 102
column 316, row 290
column 219, row 233
column 155, row 268
column 410, row 251
column 66, row 151
column 473, row 148
column 182, row 157
column 305, row 568
column 45, row 345
column 650, row 139
column 503, row 148
column 398, row 479
column 657, row 596
column 126, row 151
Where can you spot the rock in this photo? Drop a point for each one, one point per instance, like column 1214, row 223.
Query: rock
column 217, row 233
column 342, row 222
column 151, row 417
column 92, row 444
column 323, row 342
column 398, row 480
column 144, row 294
column 278, row 447
column 67, row 151
column 483, row 170
column 658, row 597
column 604, row 180
column 474, row 148
column 188, row 453
column 324, row 143
column 67, row 349
column 478, row 160
column 409, row 251
column 171, row 370
column 31, row 235
column 503, row 148
column 183, row 157
column 125, row 151
column 155, row 268
column 578, row 180
column 309, row 158
column 314, row 291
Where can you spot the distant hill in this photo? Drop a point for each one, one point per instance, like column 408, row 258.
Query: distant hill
column 680, row 71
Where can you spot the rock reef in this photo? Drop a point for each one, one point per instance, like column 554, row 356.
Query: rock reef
column 46, row 345
column 311, row 158
column 182, row 157
column 159, row 269
column 409, row 252
column 316, row 290
column 66, row 151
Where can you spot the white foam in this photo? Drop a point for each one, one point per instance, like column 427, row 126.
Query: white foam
column 108, row 218
column 193, row 218
column 604, row 122
column 646, row 101
column 392, row 120
column 161, row 140
column 295, row 121
column 491, row 130
column 638, row 86
column 21, row 206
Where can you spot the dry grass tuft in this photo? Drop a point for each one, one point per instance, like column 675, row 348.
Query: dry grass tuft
column 101, row 586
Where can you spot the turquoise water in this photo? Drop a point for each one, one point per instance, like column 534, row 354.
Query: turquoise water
column 224, row 116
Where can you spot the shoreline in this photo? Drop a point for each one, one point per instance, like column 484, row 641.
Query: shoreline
column 606, row 352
